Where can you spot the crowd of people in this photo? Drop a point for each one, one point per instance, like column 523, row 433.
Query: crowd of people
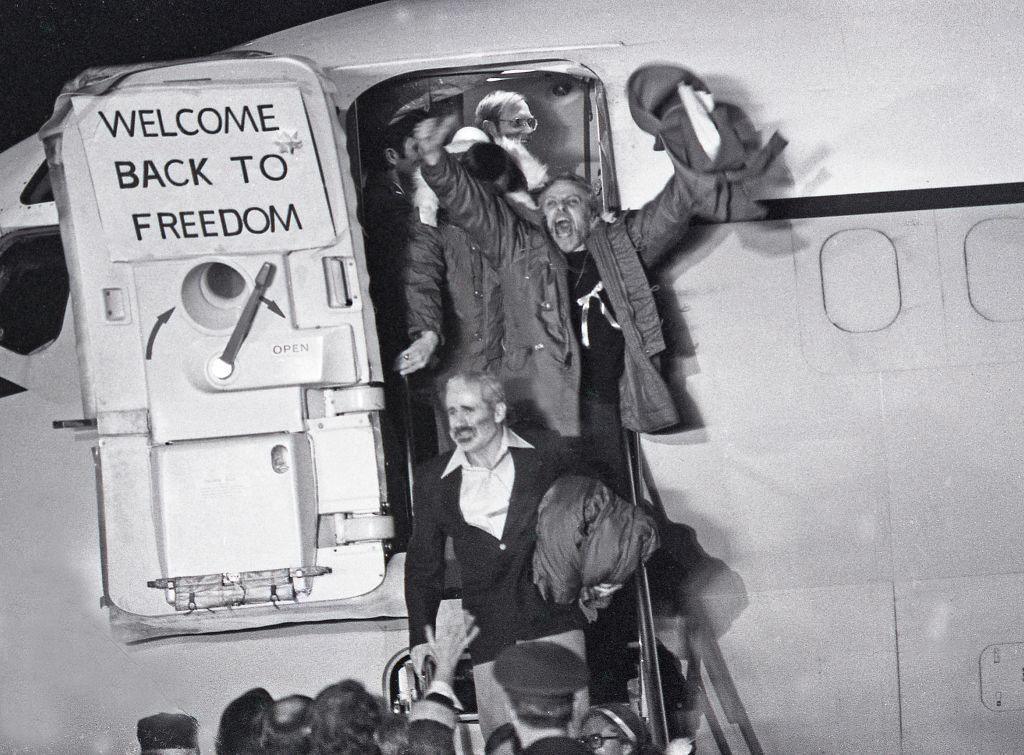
column 544, row 685
column 528, row 307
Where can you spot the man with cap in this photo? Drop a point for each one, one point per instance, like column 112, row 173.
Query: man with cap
column 546, row 687
column 168, row 734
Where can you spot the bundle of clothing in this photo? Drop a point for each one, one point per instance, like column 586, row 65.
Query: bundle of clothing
column 704, row 136
column 588, row 536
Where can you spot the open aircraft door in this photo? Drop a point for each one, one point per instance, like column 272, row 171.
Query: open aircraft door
column 226, row 346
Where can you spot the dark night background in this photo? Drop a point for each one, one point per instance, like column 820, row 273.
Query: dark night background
column 47, row 42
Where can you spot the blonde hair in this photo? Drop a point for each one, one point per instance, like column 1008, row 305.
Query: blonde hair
column 490, row 107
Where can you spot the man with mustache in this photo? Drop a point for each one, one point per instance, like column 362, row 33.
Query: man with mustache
column 484, row 495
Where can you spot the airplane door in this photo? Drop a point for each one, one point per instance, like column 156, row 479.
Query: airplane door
column 225, row 340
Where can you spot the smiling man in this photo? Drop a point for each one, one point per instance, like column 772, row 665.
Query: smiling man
column 505, row 114
column 484, row 495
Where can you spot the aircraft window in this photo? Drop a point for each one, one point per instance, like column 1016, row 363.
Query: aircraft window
column 860, row 280
column 995, row 269
column 33, row 292
column 38, row 189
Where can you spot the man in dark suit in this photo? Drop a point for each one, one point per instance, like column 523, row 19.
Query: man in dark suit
column 484, row 495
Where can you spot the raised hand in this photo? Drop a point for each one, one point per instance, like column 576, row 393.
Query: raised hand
column 449, row 647
column 431, row 135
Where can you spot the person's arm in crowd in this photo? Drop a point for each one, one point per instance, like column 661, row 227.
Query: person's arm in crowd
column 470, row 204
column 423, row 280
column 424, row 573
column 660, row 225
column 432, row 720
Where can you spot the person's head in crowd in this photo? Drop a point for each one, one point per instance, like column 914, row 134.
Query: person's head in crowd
column 505, row 114
column 241, row 723
column 543, row 682
column 168, row 734
column 476, row 409
column 396, row 149
column 613, row 729
column 286, row 727
column 392, row 735
column 344, row 718
column 570, row 210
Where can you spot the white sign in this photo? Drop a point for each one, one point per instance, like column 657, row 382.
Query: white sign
column 198, row 170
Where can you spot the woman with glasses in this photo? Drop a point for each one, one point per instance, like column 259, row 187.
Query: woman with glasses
column 615, row 729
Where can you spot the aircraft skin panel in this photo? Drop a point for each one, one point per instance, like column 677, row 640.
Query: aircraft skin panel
column 831, row 459
column 832, row 667
column 870, row 315
column 944, row 624
column 956, row 448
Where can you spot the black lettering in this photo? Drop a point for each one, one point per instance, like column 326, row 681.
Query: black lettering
column 137, row 221
column 167, row 221
column 163, row 129
column 224, row 215
column 281, row 170
column 197, row 170
column 229, row 116
column 150, row 173
column 119, row 122
column 146, row 123
column 126, row 177
column 203, row 123
column 206, row 221
column 181, row 128
column 286, row 221
column 167, row 173
column 187, row 224
column 265, row 118
column 263, row 216
column 241, row 160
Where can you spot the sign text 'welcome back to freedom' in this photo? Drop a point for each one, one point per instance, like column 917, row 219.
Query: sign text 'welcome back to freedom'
column 204, row 170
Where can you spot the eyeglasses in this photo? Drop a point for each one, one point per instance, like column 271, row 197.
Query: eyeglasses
column 596, row 741
column 522, row 121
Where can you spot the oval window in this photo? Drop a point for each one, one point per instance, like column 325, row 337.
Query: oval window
column 860, row 280
column 994, row 260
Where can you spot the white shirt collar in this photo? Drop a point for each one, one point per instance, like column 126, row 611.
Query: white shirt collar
column 509, row 439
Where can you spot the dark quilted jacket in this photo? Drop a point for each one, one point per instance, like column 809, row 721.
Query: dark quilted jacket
column 587, row 535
